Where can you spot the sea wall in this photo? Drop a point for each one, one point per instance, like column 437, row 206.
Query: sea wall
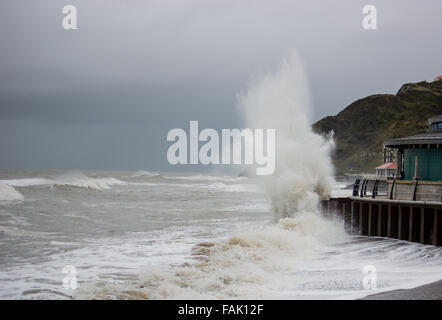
column 417, row 221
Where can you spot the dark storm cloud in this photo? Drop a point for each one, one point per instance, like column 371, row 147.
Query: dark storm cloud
column 105, row 95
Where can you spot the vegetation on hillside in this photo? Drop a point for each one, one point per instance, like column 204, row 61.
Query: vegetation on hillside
column 362, row 127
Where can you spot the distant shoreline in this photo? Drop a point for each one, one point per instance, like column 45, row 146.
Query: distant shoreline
column 431, row 291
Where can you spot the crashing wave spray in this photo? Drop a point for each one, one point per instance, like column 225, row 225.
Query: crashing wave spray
column 8, row 193
column 259, row 262
column 304, row 171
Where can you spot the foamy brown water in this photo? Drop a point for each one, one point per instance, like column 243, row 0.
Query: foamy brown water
column 179, row 236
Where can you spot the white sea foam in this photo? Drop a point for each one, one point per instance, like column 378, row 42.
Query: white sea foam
column 234, row 187
column 300, row 255
column 203, row 177
column 26, row 182
column 253, row 263
column 303, row 173
column 262, row 206
column 162, row 184
column 20, row 232
column 338, row 193
column 303, row 257
column 237, row 252
column 80, row 180
column 8, row 193
column 249, row 264
column 144, row 174
column 341, row 190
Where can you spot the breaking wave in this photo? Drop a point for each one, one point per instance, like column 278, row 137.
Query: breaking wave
column 144, row 174
column 303, row 173
column 248, row 264
column 27, row 182
column 8, row 193
column 79, row 180
column 256, row 263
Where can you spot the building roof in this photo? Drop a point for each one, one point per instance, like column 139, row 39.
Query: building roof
column 425, row 138
column 435, row 119
column 388, row 165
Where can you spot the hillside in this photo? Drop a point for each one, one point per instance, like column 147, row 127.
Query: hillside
column 361, row 128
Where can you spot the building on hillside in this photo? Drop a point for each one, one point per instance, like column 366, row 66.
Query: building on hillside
column 406, row 205
column 386, row 170
column 419, row 165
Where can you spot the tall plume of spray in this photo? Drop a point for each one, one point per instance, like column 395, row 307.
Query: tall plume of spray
column 258, row 262
column 303, row 173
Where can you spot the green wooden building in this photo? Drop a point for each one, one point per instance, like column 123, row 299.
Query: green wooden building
column 422, row 152
column 419, row 165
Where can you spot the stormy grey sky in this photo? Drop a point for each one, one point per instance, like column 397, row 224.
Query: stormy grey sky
column 104, row 96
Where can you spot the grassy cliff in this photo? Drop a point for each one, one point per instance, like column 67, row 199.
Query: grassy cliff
column 361, row 128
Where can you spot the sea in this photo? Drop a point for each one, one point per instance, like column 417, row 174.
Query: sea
column 154, row 235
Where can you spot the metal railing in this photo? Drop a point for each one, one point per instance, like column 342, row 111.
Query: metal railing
column 370, row 188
